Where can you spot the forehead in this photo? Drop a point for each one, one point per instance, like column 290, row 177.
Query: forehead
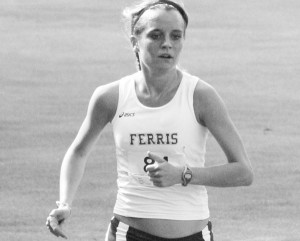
column 166, row 19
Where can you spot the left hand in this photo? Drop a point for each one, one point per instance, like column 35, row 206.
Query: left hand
column 162, row 173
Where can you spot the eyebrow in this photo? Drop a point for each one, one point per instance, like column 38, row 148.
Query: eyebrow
column 157, row 29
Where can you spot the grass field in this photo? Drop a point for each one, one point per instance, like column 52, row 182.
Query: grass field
column 53, row 54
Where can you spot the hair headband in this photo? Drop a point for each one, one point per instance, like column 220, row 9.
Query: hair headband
column 138, row 15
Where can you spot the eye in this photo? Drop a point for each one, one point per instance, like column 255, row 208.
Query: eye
column 176, row 36
column 155, row 36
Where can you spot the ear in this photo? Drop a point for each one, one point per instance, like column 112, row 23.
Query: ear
column 134, row 42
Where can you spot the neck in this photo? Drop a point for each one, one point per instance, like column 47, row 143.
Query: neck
column 158, row 82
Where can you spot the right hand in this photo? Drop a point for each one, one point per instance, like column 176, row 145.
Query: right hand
column 56, row 219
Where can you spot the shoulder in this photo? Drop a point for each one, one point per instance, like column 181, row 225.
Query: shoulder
column 203, row 90
column 106, row 94
column 110, row 92
column 103, row 103
column 199, row 85
column 207, row 102
column 104, row 100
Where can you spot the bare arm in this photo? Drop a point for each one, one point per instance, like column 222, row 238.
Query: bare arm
column 101, row 109
column 211, row 112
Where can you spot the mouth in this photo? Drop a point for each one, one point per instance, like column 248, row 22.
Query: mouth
column 165, row 56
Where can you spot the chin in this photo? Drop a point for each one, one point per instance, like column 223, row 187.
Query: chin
column 159, row 65
column 165, row 65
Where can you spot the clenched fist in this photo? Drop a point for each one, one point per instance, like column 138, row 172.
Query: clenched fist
column 56, row 219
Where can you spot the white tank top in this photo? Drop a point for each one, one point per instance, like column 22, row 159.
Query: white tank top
column 171, row 131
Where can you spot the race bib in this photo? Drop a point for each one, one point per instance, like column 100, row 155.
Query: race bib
column 138, row 162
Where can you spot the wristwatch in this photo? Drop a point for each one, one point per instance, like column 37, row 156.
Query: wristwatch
column 186, row 175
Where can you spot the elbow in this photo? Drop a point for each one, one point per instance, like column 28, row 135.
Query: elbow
column 78, row 150
column 247, row 176
column 75, row 153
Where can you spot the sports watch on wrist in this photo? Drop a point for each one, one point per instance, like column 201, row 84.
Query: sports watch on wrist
column 186, row 176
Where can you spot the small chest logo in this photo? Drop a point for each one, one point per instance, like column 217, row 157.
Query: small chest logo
column 126, row 114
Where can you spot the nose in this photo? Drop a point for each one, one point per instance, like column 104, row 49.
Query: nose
column 166, row 44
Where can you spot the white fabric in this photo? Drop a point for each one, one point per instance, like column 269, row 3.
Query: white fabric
column 171, row 131
column 121, row 232
column 120, row 235
column 206, row 234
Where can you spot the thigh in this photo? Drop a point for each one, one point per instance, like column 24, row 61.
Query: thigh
column 110, row 236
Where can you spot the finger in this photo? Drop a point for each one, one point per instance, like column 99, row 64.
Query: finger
column 154, row 174
column 155, row 157
column 50, row 225
column 157, row 183
column 48, row 221
column 55, row 227
column 60, row 233
column 151, row 168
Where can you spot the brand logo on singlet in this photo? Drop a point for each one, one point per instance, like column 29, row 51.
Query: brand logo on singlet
column 126, row 114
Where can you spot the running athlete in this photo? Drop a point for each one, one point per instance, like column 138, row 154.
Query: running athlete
column 161, row 117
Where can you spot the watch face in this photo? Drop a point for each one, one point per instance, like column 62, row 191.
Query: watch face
column 188, row 176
